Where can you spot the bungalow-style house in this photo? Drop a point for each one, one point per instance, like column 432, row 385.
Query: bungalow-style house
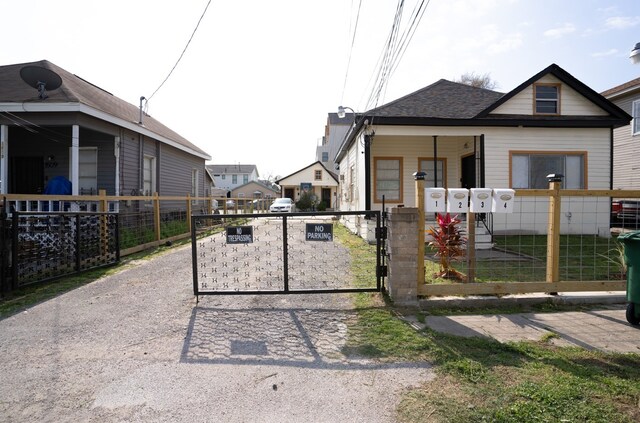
column 463, row 136
column 255, row 190
column 55, row 124
column 626, row 138
column 315, row 179
column 231, row 176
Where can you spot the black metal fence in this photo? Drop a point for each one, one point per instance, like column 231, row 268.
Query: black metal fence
column 279, row 253
column 40, row 246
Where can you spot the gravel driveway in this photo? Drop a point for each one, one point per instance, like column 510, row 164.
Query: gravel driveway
column 135, row 347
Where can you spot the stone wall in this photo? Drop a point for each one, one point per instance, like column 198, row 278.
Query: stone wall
column 402, row 248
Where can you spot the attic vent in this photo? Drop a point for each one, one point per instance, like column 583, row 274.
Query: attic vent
column 42, row 79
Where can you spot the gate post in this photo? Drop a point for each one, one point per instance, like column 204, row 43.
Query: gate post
column 553, row 233
column 402, row 243
column 419, row 177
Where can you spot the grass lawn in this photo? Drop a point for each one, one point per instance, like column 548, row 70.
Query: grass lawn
column 483, row 380
column 582, row 258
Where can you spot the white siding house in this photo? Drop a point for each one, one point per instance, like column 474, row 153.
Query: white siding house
column 463, row 136
column 231, row 176
column 316, row 179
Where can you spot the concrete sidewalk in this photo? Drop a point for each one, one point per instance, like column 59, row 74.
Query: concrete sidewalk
column 604, row 328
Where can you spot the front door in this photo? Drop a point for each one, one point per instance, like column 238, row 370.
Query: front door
column 27, row 175
column 326, row 197
column 288, row 193
column 468, row 171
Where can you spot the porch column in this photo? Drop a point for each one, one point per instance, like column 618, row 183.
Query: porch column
column 116, row 152
column 435, row 162
column 74, row 165
column 4, row 159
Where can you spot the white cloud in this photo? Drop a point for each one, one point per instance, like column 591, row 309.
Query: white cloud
column 567, row 28
column 622, row 22
column 607, row 53
column 505, row 44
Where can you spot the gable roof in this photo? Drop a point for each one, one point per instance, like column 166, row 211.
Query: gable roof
column 77, row 95
column 569, row 80
column 332, row 174
column 260, row 184
column 232, row 168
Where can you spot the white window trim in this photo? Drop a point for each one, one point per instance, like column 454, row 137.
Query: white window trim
column 195, row 179
column 152, row 183
column 635, row 114
column 95, row 150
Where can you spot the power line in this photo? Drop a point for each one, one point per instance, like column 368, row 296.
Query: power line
column 183, row 51
column 395, row 48
column 353, row 40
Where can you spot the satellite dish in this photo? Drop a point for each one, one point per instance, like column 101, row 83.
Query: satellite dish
column 41, row 79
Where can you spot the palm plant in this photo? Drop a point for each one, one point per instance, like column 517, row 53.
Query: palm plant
column 449, row 245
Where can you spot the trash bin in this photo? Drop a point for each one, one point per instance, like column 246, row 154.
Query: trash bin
column 631, row 243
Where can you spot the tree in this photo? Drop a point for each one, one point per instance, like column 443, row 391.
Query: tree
column 479, row 81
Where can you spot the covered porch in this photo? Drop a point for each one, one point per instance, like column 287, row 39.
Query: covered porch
column 33, row 155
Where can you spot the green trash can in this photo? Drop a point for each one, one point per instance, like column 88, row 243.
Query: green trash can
column 631, row 243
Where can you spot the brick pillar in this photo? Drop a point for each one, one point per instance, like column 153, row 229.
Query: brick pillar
column 402, row 244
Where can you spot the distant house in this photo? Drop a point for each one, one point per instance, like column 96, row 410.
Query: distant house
column 256, row 189
column 464, row 136
column 316, row 179
column 73, row 129
column 626, row 139
column 231, row 176
column 334, row 133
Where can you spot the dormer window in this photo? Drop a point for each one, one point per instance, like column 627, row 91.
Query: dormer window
column 547, row 99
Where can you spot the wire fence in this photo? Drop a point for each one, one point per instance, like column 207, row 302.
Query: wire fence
column 522, row 246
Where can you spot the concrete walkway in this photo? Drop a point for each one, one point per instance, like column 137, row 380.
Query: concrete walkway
column 604, row 328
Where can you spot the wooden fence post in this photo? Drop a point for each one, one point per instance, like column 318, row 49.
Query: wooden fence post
column 419, row 178
column 156, row 215
column 553, row 233
column 471, row 247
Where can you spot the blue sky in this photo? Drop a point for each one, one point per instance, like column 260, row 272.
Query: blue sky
column 259, row 77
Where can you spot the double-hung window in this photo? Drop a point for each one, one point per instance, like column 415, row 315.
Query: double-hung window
column 546, row 99
column 529, row 170
column 149, row 175
column 317, row 176
column 88, row 170
column 388, row 179
column 234, row 179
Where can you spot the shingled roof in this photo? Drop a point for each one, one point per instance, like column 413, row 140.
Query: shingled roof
column 75, row 90
column 232, row 168
column 442, row 99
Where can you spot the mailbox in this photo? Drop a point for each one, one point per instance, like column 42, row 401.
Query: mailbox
column 481, row 200
column 434, row 200
column 502, row 200
column 458, row 200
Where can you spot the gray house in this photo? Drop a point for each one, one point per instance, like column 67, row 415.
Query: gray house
column 55, row 124
column 627, row 137
column 335, row 132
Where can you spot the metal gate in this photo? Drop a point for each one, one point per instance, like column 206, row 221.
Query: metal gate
column 281, row 253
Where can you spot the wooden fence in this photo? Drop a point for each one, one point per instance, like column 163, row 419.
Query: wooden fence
column 145, row 218
column 553, row 282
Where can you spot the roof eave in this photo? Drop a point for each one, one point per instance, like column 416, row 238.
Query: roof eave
column 83, row 108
